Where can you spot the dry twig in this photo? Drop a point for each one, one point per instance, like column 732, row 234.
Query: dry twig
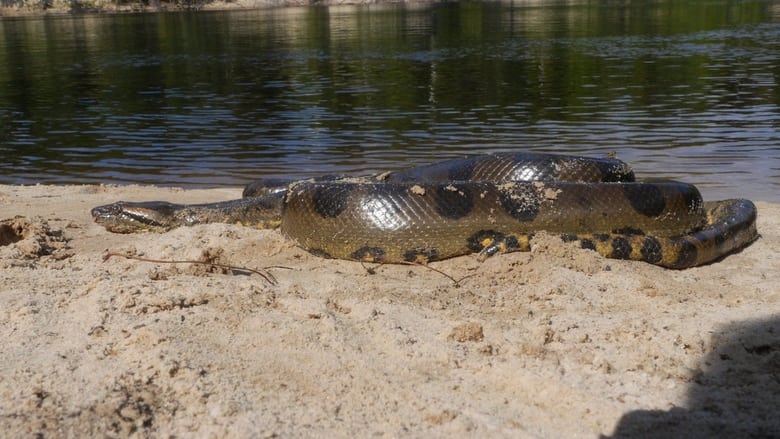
column 264, row 274
column 456, row 282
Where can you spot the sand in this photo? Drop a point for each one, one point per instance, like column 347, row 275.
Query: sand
column 558, row 342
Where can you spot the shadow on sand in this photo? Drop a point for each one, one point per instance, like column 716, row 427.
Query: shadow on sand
column 736, row 394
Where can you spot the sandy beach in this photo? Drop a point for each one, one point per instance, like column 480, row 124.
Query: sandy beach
column 558, row 342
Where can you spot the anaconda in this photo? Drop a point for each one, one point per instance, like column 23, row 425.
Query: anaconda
column 485, row 204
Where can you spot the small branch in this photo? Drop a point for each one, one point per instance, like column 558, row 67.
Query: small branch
column 456, row 282
column 264, row 274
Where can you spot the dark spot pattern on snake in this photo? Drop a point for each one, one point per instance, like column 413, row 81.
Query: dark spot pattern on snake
column 648, row 200
column 453, row 202
column 621, row 248
column 321, row 253
column 483, row 238
column 651, row 250
column 521, row 203
column 330, row 200
column 569, row 237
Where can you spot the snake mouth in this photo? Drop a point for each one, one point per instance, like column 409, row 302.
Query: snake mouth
column 129, row 217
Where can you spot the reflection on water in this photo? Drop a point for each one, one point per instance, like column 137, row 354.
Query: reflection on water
column 687, row 91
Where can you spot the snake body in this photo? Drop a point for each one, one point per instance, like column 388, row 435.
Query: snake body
column 485, row 204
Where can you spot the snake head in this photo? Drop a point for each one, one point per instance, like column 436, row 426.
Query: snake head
column 129, row 217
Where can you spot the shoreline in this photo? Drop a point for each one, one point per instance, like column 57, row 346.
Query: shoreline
column 555, row 342
column 60, row 7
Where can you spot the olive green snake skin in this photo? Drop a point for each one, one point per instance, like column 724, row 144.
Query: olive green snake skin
column 486, row 204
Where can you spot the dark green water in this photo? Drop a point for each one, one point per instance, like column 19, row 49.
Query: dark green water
column 684, row 90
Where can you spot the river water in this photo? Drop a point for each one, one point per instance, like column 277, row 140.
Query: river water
column 688, row 90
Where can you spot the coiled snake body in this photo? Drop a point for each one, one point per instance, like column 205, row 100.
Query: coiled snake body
column 485, row 204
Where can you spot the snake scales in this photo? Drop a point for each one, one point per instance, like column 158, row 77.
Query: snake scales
column 485, row 204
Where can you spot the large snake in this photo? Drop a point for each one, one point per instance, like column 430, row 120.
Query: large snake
column 485, row 204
